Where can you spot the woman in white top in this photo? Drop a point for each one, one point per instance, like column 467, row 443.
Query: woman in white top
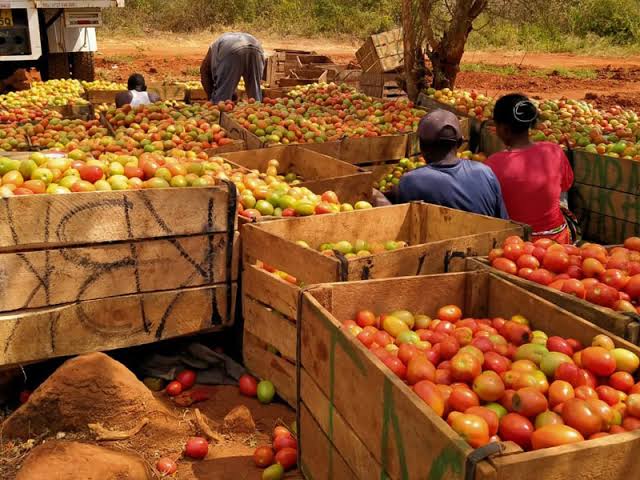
column 137, row 93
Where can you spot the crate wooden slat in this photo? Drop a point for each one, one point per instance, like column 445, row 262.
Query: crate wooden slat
column 383, row 52
column 438, row 237
column 109, row 323
column 604, row 171
column 281, row 63
column 603, row 228
column 392, row 433
column 63, row 220
column 623, row 325
column 319, row 172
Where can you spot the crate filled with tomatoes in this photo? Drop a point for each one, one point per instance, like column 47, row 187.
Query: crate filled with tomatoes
column 101, row 270
column 282, row 256
column 600, row 284
column 461, row 375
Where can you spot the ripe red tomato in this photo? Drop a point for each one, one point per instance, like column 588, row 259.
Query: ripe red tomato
column 574, row 287
column 465, row 366
column 90, row 173
column 166, row 466
column 544, row 243
column 556, row 261
column 462, row 398
column 527, row 261
column 592, row 268
column 584, row 392
column 248, row 386
column 263, row 456
column 187, row 379
column 541, row 276
column 608, row 394
column 197, row 447
column 580, row 415
column 633, row 405
column 495, row 253
column 513, row 251
column 488, row 386
column 284, row 441
column 632, row 287
column 631, row 423
column 632, row 243
column 432, row 395
column 287, row 457
column 448, row 348
column 525, row 272
column 505, row 265
column 419, row 368
column 174, row 389
column 396, row 366
column 529, row 402
column 599, row 361
column 602, row 295
column 516, row 428
column 622, row 381
column 406, row 352
column 554, row 435
column 365, row 318
column 472, row 428
column 449, row 313
column 489, row 416
column 496, row 362
column 281, row 431
column 615, row 278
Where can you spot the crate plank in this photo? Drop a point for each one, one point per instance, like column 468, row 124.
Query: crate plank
column 59, row 220
column 42, row 278
column 611, row 203
column 604, row 171
column 270, row 326
column 603, row 228
column 110, row 323
column 270, row 290
column 268, row 366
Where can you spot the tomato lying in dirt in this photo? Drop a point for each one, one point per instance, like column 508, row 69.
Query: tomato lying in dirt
column 554, row 435
column 287, row 457
column 281, row 431
column 174, row 389
column 187, row 379
column 248, row 386
column 516, row 428
column 274, row 472
column 166, row 466
column 197, row 447
column 472, row 428
column 263, row 456
column 284, row 441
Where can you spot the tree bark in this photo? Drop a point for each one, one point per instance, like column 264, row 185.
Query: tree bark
column 410, row 44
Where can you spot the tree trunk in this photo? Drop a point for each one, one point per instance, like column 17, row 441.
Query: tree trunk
column 445, row 67
column 409, row 40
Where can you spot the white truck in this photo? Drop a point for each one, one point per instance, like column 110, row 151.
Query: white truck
column 58, row 37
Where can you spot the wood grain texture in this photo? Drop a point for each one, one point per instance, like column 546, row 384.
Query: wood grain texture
column 36, row 221
column 268, row 366
column 110, row 323
column 270, row 290
column 42, row 278
column 603, row 171
column 270, row 326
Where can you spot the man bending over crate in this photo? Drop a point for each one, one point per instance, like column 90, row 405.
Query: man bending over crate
column 230, row 57
column 448, row 180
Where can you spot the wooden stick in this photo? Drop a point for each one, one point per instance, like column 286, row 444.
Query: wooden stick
column 103, row 433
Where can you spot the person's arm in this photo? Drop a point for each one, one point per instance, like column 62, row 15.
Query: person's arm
column 154, row 97
column 122, row 99
column 206, row 74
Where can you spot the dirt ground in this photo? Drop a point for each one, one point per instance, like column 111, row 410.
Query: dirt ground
column 178, row 57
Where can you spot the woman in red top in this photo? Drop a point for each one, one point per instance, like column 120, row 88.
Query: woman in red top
column 532, row 175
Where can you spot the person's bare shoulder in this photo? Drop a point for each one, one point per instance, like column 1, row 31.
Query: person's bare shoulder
column 123, row 98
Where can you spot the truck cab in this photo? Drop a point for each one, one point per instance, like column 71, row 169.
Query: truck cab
column 57, row 37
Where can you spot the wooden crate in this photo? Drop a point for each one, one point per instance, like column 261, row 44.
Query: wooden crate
column 358, row 151
column 357, row 420
column 319, row 172
column 382, row 53
column 605, row 196
column 281, row 63
column 82, row 112
column 382, row 85
column 164, row 91
column 84, row 259
column 625, row 325
column 439, row 238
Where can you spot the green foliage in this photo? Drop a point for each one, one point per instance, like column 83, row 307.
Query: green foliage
column 618, row 20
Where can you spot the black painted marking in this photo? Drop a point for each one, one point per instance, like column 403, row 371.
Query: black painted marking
column 421, row 263
column 60, row 229
column 166, row 315
column 53, row 323
column 12, row 227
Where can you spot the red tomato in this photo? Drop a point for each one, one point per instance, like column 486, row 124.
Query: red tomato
column 187, row 379
column 90, row 173
column 284, row 441
column 495, row 253
column 36, row 186
column 525, row 272
column 633, row 405
column 615, row 278
column 489, row 416
column 622, row 381
column 583, row 392
column 599, row 361
column 592, row 268
column 516, row 428
column 541, row 276
column 528, row 261
column 489, row 387
column 197, row 447
column 514, row 239
column 406, row 352
column 174, row 389
column 608, row 394
column 529, row 402
column 432, row 396
column 580, row 415
column 248, row 386
column 449, row 313
column 505, row 265
column 554, row 435
column 419, row 368
column 631, row 423
column 287, row 457
column 465, row 366
column 513, row 251
column 396, row 366
column 556, row 261
column 539, row 253
column 632, row 287
column 166, row 466
column 462, row 399
column 632, row 243
column 263, row 457
column 602, row 295
column 281, row 431
column 449, row 347
column 365, row 318
column 472, row 428
column 574, row 287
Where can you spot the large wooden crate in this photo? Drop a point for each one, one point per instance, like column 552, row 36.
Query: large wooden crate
column 382, row 85
column 101, row 270
column 382, row 53
column 281, row 63
column 357, row 420
column 303, row 76
column 439, row 238
column 624, row 325
column 358, row 151
column 605, row 196
column 319, row 172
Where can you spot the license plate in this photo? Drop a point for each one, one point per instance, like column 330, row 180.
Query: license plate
column 6, row 19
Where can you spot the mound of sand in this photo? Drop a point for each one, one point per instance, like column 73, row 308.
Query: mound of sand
column 56, row 460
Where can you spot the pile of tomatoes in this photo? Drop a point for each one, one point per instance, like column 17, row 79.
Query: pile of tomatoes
column 609, row 278
column 497, row 380
column 279, row 457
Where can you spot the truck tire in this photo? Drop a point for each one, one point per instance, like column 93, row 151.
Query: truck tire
column 83, row 68
column 58, row 66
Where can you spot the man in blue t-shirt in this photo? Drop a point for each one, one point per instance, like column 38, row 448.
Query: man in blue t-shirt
column 448, row 180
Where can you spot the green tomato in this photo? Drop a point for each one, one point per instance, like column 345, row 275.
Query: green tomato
column 407, row 336
column 43, row 174
column 266, row 391
column 304, row 208
column 178, row 181
column 103, row 186
column 274, row 472
column 27, row 167
column 68, row 181
column 264, row 207
column 163, row 173
column 116, row 168
column 119, row 182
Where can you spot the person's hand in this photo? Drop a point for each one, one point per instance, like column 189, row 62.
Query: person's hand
column 378, row 199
